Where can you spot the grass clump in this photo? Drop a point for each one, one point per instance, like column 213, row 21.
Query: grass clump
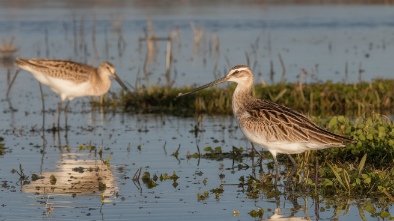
column 348, row 179
column 315, row 98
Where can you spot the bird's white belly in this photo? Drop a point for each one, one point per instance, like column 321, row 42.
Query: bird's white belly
column 281, row 146
column 66, row 88
column 69, row 89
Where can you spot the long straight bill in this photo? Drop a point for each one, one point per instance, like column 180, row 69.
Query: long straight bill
column 121, row 83
column 213, row 83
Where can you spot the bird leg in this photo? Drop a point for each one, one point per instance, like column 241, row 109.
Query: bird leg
column 277, row 170
column 295, row 165
column 260, row 160
column 59, row 111
column 66, row 112
column 260, row 156
column 254, row 149
column 316, row 174
column 43, row 107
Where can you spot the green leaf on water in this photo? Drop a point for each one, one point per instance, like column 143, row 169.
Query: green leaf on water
column 369, row 208
column 218, row 150
column 208, row 149
column 384, row 214
column 257, row 213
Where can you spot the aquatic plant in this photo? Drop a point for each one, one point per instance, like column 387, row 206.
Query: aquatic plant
column 148, row 181
column 203, row 196
column 2, row 148
column 89, row 147
column 151, row 182
column 258, row 213
column 217, row 154
column 375, row 136
column 23, row 178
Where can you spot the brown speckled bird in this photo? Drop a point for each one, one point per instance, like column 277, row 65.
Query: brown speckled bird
column 71, row 79
column 277, row 128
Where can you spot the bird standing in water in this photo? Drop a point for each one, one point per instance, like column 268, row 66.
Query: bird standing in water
column 277, row 128
column 71, row 79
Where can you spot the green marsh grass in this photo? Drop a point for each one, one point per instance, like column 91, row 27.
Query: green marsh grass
column 315, row 99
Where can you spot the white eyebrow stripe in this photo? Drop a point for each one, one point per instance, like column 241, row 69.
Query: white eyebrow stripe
column 238, row 69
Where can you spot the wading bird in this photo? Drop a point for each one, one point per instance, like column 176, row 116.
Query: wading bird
column 277, row 128
column 71, row 79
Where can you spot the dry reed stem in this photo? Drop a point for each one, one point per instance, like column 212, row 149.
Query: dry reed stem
column 168, row 63
column 272, row 73
column 247, row 59
column 81, row 34
column 302, row 77
column 95, row 51
column 75, row 35
column 282, row 79
column 106, row 46
column 46, row 43
column 199, row 34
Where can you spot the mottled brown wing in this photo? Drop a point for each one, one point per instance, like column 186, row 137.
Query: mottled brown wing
column 61, row 69
column 279, row 123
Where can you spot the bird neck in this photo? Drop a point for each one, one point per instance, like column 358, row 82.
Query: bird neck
column 241, row 94
column 101, row 83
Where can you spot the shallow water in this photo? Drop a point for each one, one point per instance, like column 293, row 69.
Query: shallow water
column 141, row 141
column 302, row 35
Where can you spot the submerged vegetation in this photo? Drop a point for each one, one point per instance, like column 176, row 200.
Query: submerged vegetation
column 315, row 98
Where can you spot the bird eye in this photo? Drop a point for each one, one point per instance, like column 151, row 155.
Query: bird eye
column 235, row 72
